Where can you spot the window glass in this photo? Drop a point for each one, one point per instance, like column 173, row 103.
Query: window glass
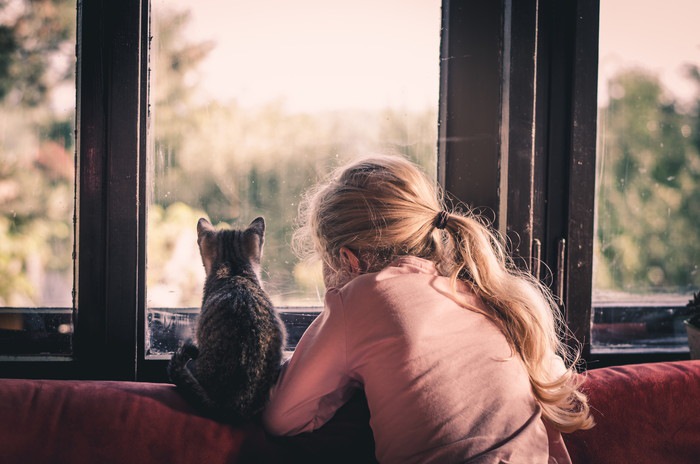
column 252, row 102
column 37, row 165
column 647, row 247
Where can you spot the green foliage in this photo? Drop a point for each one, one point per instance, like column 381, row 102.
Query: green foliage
column 648, row 195
column 238, row 163
column 175, row 273
column 38, row 32
column 37, row 42
column 36, row 206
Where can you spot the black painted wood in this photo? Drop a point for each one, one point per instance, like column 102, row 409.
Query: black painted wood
column 144, row 368
column 470, row 102
column 518, row 127
column 565, row 164
column 580, row 227
column 89, row 323
column 108, row 202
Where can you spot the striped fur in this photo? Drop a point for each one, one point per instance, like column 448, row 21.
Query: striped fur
column 240, row 337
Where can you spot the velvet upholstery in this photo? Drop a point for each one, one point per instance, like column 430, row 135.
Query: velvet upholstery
column 647, row 413
column 114, row 422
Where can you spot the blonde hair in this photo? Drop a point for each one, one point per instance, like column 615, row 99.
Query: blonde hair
column 385, row 206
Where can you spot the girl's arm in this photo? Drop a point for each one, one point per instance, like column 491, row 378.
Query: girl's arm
column 315, row 382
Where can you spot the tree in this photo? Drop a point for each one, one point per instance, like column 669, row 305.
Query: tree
column 648, row 211
column 39, row 32
column 233, row 163
column 37, row 43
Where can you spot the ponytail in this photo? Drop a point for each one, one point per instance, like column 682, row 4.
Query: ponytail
column 525, row 312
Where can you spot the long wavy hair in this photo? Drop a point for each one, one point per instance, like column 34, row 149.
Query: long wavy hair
column 385, row 206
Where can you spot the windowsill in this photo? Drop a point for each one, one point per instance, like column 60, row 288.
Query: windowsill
column 641, row 325
column 35, row 358
column 638, row 349
column 169, row 327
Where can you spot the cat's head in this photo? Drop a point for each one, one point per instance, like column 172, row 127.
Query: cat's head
column 229, row 250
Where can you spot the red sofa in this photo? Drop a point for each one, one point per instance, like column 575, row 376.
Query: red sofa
column 646, row 413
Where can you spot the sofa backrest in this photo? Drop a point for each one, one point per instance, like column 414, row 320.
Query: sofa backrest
column 645, row 413
column 53, row 421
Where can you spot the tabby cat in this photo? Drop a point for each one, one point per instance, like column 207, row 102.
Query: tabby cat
column 240, row 337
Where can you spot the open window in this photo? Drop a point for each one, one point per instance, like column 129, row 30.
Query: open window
column 591, row 175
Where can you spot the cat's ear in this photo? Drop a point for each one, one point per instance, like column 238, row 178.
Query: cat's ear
column 258, row 225
column 255, row 238
column 207, row 247
column 203, row 227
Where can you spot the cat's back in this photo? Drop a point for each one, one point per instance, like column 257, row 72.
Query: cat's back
column 240, row 308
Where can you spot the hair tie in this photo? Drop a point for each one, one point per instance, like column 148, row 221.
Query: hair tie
column 441, row 219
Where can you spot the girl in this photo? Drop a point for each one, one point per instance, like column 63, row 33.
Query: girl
column 456, row 349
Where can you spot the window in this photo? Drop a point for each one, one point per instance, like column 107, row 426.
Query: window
column 253, row 104
column 647, row 251
column 37, row 167
column 532, row 150
column 516, row 137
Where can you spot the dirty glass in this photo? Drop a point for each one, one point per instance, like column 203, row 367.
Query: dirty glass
column 252, row 103
column 37, row 112
column 647, row 240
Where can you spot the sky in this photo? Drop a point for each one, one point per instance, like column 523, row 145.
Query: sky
column 367, row 54
column 659, row 35
column 319, row 54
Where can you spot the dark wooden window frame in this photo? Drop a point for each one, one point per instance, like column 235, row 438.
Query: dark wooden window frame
column 517, row 125
column 518, row 139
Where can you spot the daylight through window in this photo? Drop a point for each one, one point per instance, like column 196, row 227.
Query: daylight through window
column 647, row 247
column 37, row 101
column 251, row 106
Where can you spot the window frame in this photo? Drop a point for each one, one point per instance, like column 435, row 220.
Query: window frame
column 541, row 112
column 537, row 109
column 111, row 82
column 517, row 124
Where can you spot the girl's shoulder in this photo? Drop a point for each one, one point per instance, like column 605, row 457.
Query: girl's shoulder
column 401, row 266
column 412, row 264
column 408, row 280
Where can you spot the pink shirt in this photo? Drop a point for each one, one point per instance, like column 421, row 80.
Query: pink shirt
column 440, row 380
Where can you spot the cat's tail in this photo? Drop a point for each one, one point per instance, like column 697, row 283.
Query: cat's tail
column 182, row 371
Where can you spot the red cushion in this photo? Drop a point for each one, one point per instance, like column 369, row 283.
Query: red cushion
column 646, row 413
column 114, row 422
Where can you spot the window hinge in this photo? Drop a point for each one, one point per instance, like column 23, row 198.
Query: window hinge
column 561, row 270
column 536, row 258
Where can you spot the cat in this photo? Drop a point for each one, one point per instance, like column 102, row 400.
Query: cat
column 240, row 337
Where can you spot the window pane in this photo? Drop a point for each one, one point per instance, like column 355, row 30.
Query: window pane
column 647, row 250
column 37, row 101
column 252, row 102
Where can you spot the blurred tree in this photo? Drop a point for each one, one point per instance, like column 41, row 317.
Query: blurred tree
column 237, row 163
column 648, row 211
column 37, row 58
column 176, row 73
column 35, row 37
